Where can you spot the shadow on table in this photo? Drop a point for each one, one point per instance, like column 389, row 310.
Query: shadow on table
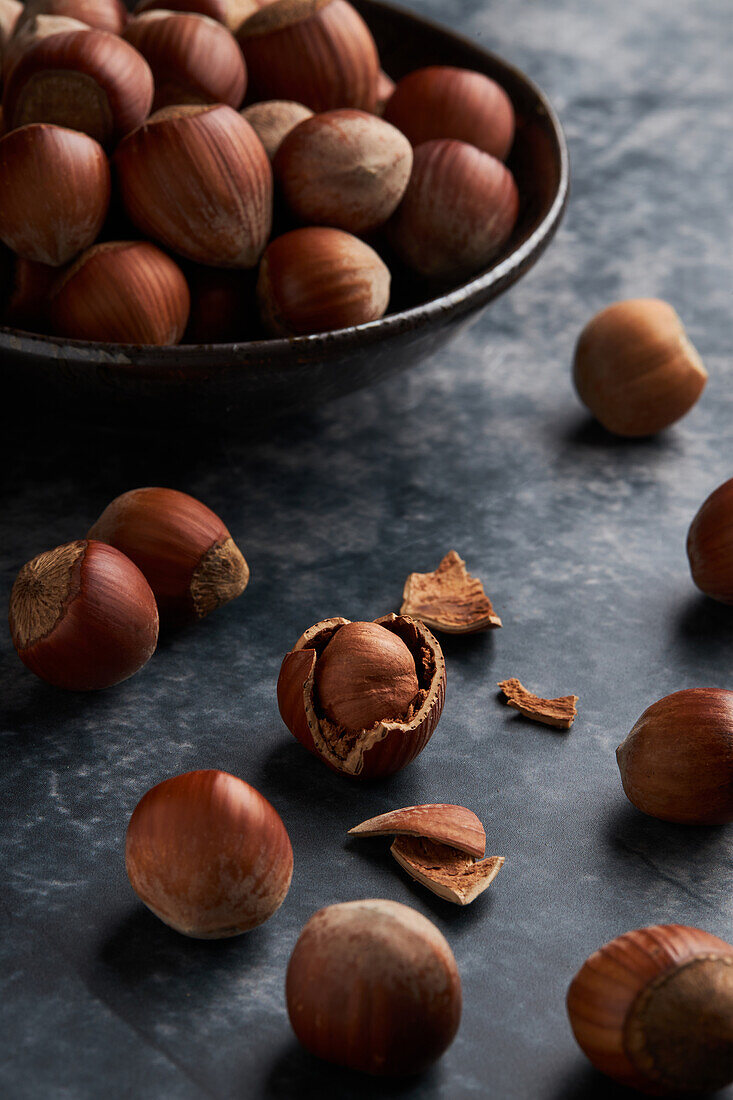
column 701, row 626
column 297, row 1075
column 585, row 431
column 586, row 1083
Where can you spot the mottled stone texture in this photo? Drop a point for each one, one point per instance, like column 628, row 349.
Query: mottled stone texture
column 579, row 539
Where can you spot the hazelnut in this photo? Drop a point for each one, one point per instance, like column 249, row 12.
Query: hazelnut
column 444, row 102
column 317, row 52
column 197, row 179
column 82, row 616
column 343, row 168
column 32, row 31
column 373, row 985
column 710, row 545
column 677, row 762
column 193, row 58
column 316, row 279
column 635, row 369
column 231, row 13
column 124, row 292
column 273, row 120
column 87, row 80
column 385, row 88
column 458, row 211
column 223, row 305
column 51, row 224
column 182, row 548
column 31, row 286
column 653, row 1009
column 102, row 15
column 367, row 703
column 208, row 854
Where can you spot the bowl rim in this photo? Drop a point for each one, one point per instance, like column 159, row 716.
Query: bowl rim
column 285, row 349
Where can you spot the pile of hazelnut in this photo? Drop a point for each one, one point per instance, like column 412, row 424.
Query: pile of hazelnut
column 207, row 221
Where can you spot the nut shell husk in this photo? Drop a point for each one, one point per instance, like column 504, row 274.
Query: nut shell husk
column 710, row 545
column 389, row 745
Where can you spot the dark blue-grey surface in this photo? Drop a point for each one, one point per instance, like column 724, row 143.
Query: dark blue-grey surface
column 580, row 540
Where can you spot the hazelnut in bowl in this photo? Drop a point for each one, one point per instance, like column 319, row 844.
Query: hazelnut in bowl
column 226, row 230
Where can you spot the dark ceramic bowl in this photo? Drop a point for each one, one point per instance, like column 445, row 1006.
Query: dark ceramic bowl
column 239, row 382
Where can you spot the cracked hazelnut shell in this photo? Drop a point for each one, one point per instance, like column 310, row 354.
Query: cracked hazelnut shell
column 182, row 548
column 677, row 762
column 389, row 743
column 373, row 985
column 208, row 854
column 653, row 1009
column 82, row 616
column 710, row 545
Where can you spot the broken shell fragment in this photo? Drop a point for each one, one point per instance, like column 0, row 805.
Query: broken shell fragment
column 452, row 825
column 449, row 599
column 559, row 712
column 450, row 874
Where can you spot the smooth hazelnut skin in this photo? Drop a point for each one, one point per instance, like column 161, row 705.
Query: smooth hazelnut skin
column 231, row 13
column 365, row 674
column 86, row 80
column 123, row 292
column 315, row 52
column 458, row 211
column 54, row 192
column 101, row 15
column 373, row 985
column 82, row 616
column 445, row 102
column 273, row 120
column 313, row 280
column 197, row 179
column 182, row 548
column 653, row 1009
column 710, row 545
column 635, row 369
column 677, row 762
column 193, row 58
column 208, row 854
column 343, row 168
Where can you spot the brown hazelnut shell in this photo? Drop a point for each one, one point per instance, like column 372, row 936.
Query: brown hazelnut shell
column 710, row 545
column 32, row 31
column 273, row 119
column 231, row 13
column 101, row 15
column 388, row 746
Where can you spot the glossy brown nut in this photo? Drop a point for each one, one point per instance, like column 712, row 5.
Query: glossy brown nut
column 193, row 58
column 198, row 180
column 386, row 745
column 125, row 292
column 710, row 545
column 182, row 548
column 317, row 52
column 102, row 15
column 458, row 212
column 677, row 762
column 373, row 985
column 343, row 168
column 86, row 80
column 314, row 279
column 273, row 119
column 635, row 369
column 208, row 854
column 54, row 192
column 445, row 102
column 82, row 616
column 653, row 1009
column 231, row 13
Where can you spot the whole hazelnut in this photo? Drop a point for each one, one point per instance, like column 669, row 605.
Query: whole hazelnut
column 208, row 854
column 32, row 31
column 635, row 369
column 677, row 762
column 458, row 211
column 710, row 545
column 50, row 224
column 102, row 15
column 653, row 1009
column 273, row 120
column 193, row 58
column 343, row 168
column 317, row 52
column 444, row 102
column 315, row 279
column 82, row 616
column 197, row 179
column 373, row 985
column 182, row 548
column 364, row 697
column 124, row 292
column 231, row 13
column 86, row 80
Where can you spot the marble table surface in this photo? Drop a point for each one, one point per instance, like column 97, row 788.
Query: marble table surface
column 580, row 540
